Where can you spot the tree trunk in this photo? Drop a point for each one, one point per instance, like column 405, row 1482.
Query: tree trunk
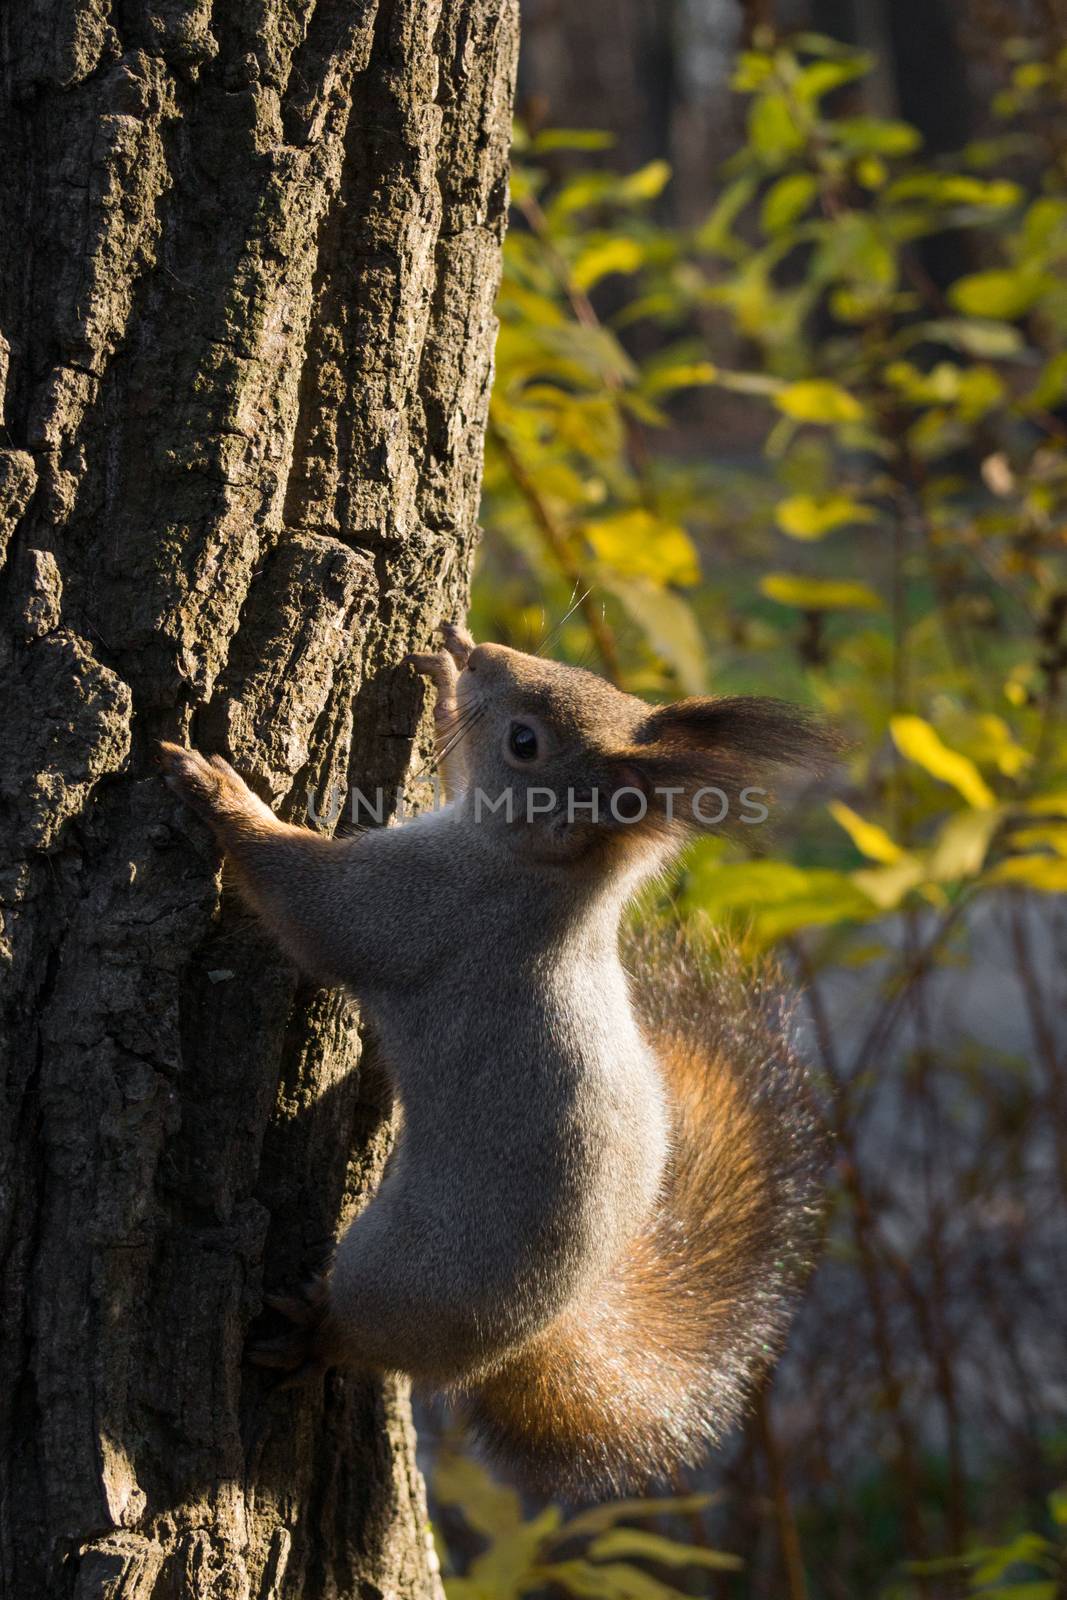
column 249, row 259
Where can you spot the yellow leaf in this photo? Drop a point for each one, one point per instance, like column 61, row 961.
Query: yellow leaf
column 919, row 742
column 819, row 594
column 646, row 183
column 1045, row 873
column 638, row 544
column 1054, row 805
column 605, row 256
column 680, row 375
column 809, row 516
column 962, row 845
column 887, row 886
column 873, row 841
column 818, row 400
column 1053, row 836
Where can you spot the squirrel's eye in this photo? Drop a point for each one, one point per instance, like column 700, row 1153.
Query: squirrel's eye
column 522, row 742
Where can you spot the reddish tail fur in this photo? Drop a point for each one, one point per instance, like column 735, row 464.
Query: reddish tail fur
column 660, row 1361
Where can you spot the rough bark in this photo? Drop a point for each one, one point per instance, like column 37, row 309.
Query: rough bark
column 248, row 264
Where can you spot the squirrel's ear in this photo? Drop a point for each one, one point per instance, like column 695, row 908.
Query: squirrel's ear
column 727, row 744
column 734, row 729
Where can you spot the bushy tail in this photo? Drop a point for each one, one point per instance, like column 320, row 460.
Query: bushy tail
column 658, row 1363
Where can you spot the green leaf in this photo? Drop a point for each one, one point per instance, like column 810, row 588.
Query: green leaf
column 670, row 627
column 809, row 516
column 615, row 1582
column 819, row 594
column 788, row 199
column 919, row 742
column 667, row 1552
column 989, row 341
column 777, row 896
column 1057, row 1505
column 773, row 132
column 868, row 837
column 818, row 400
column 491, row 1508
column 596, row 1518
column 823, row 76
column 506, row 1569
column 1002, row 293
column 956, row 189
column 877, row 136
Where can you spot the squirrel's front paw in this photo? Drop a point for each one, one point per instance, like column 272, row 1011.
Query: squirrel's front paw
column 303, row 1351
column 209, row 785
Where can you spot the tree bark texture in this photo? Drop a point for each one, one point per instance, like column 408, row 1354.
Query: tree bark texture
column 249, row 254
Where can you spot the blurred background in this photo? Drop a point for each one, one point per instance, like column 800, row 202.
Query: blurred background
column 781, row 406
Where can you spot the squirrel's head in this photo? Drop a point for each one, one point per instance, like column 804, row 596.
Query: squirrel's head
column 573, row 764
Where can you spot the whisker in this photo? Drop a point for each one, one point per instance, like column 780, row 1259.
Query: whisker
column 446, row 736
column 458, row 738
column 582, row 598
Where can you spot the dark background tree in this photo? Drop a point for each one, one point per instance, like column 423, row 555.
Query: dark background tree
column 250, row 254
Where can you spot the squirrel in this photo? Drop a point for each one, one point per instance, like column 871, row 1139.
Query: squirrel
column 602, row 1200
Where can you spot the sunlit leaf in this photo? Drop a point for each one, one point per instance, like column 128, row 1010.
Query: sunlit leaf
column 647, row 183
column 1045, row 873
column 637, row 543
column 604, row 256
column 818, row 400
column 677, row 375
column 868, row 837
column 819, row 594
column 572, row 139
column 919, row 742
column 962, row 845
column 809, row 516
column 1000, row 292
column 776, row 896
column 877, row 136
column 772, row 128
column 887, row 886
column 823, row 76
column 787, row 200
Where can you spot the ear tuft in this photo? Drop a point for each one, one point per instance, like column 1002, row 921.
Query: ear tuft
column 740, row 729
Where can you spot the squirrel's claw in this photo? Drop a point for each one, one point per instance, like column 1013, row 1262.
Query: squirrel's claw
column 206, row 783
column 457, row 641
column 298, row 1352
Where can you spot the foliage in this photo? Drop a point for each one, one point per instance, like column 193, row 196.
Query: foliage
column 590, row 1555
column 814, row 445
